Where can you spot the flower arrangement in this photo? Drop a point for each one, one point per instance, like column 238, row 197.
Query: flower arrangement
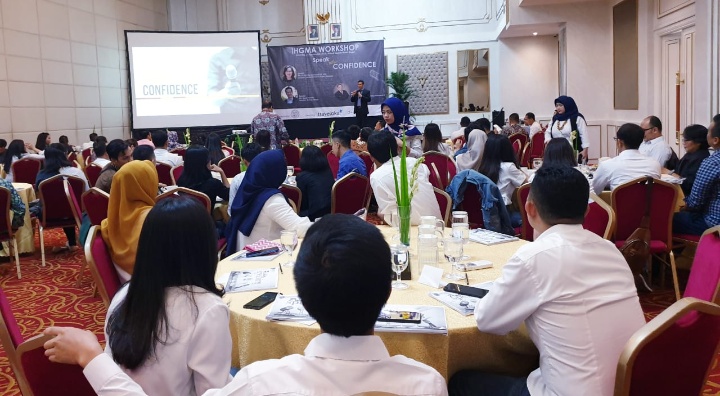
column 187, row 136
column 405, row 188
column 332, row 127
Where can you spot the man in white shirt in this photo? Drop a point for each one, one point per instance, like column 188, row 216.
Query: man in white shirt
column 382, row 180
column 454, row 136
column 344, row 291
column 89, row 144
column 535, row 126
column 101, row 155
column 160, row 140
column 654, row 145
column 250, row 151
column 572, row 289
column 630, row 164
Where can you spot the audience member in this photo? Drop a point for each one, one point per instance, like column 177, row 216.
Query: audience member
column 498, row 164
column 17, row 206
column 349, row 161
column 144, row 152
column 379, row 125
column 513, row 125
column 346, row 359
column 248, row 153
column 315, row 183
column 43, row 140
column 535, row 126
column 15, row 151
column 214, row 146
column 132, row 143
column 354, row 132
column 397, row 119
column 629, row 164
column 196, row 175
column 92, row 138
column 567, row 119
column 263, row 139
column 433, row 140
column 271, row 122
column 119, row 153
column 383, row 148
column 654, row 145
column 702, row 206
column 475, row 147
column 3, row 150
column 695, row 142
column 572, row 289
column 101, row 155
column 66, row 143
column 360, row 144
column 260, row 211
column 56, row 163
column 143, row 138
column 160, row 139
column 558, row 152
column 456, row 135
column 168, row 328
column 135, row 187
column 173, row 141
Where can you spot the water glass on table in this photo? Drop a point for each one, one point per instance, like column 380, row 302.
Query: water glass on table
column 399, row 264
column 289, row 240
column 453, row 249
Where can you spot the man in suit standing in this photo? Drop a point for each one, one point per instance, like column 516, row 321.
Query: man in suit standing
column 361, row 98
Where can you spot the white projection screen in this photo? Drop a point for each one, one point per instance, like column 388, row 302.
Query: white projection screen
column 193, row 79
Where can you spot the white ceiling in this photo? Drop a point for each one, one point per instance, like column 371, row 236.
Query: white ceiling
column 542, row 29
column 524, row 3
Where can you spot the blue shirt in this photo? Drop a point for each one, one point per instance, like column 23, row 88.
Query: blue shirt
column 350, row 162
column 705, row 194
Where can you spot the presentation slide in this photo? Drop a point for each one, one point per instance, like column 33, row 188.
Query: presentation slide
column 194, row 79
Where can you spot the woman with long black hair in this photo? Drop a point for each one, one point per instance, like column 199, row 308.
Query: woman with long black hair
column 168, row 328
column 15, row 151
column 215, row 148
column 499, row 165
column 197, row 175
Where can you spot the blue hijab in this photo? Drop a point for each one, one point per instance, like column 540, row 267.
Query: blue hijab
column 571, row 109
column 401, row 117
column 264, row 176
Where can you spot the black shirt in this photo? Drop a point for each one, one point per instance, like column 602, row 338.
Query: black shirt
column 688, row 167
column 213, row 188
column 316, row 188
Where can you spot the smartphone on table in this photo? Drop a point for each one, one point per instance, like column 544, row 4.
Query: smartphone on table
column 261, row 301
column 465, row 290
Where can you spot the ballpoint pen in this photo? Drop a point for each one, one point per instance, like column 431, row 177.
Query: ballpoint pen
column 467, row 280
column 281, row 271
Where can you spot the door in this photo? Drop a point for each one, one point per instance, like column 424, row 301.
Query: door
column 677, row 77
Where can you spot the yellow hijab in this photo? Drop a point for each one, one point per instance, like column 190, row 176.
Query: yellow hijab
column 134, row 188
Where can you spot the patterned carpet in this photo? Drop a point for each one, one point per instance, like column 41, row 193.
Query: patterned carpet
column 47, row 296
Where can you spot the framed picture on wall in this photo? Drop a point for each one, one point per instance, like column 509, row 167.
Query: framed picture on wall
column 313, row 33
column 335, row 31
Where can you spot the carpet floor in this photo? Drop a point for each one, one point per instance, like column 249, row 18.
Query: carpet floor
column 47, row 296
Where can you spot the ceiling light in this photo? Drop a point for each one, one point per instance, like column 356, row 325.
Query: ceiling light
column 534, row 33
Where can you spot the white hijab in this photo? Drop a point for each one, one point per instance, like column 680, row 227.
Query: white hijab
column 476, row 145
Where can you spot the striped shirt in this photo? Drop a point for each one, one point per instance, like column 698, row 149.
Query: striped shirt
column 705, row 194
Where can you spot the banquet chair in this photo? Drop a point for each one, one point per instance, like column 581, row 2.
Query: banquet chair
column 230, row 165
column 164, row 172
column 179, row 151
column 92, row 172
column 86, row 155
column 704, row 280
column 673, row 353
column 334, row 163
column 292, row 156
column 202, row 198
column 600, row 218
column 25, row 170
column 95, row 203
column 293, row 194
column 445, row 204
column 229, row 150
column 34, row 372
column 525, row 156
column 77, row 214
column 350, row 193
column 102, row 269
column 517, row 147
column 72, row 157
column 434, row 177
column 6, row 231
column 521, row 196
column 472, row 204
column 367, row 159
column 326, row 148
column 176, row 172
column 537, row 147
column 628, row 203
column 519, row 136
column 56, row 211
column 446, row 167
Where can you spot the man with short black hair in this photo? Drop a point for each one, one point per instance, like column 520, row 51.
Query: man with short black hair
column 455, row 136
column 341, row 289
column 119, row 154
column 101, row 156
column 654, row 145
column 3, row 149
column 629, row 164
column 360, row 98
column 513, row 125
column 535, row 126
column 349, row 161
column 572, row 289
column 160, row 140
column 89, row 144
column 273, row 123
column 383, row 149
column 248, row 153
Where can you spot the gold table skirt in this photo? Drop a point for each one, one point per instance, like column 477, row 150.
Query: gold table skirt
column 24, row 235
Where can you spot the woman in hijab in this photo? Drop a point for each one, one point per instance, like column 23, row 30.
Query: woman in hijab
column 394, row 113
column 133, row 194
column 567, row 119
column 471, row 158
column 259, row 210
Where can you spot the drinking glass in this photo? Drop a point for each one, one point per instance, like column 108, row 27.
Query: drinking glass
column 459, row 216
column 289, row 240
column 453, row 251
column 399, row 263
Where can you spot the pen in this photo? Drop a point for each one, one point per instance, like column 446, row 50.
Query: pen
column 281, row 271
column 467, row 280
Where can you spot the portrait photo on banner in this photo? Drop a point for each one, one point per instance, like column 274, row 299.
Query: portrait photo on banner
column 313, row 33
column 335, row 31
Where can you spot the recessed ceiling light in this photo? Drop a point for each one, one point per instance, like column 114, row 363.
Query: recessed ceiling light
column 534, row 33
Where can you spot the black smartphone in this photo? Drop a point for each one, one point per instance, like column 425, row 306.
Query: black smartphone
column 261, row 301
column 400, row 316
column 465, row 290
column 264, row 252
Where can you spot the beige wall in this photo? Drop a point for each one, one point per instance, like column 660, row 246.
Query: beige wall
column 63, row 65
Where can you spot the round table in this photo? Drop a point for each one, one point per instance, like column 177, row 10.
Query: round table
column 464, row 347
column 24, row 235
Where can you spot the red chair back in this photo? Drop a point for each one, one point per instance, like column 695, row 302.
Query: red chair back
column 72, row 157
column 92, row 172
column 57, row 212
column 434, row 177
column 10, row 333
column 86, row 154
column 527, row 232
column 350, row 194
column 6, row 231
column 95, row 203
column 704, row 280
column 537, row 146
column 445, row 203
column 228, row 150
column 326, row 148
column 472, row 204
column 179, row 151
column 164, row 174
column 600, row 218
column 200, row 197
column 525, row 156
column 176, row 172
column 101, row 266
column 446, row 167
column 334, row 163
column 517, row 146
column 25, row 170
column 230, row 165
column 292, row 155
column 521, row 137
column 673, row 353
column 73, row 202
column 628, row 203
column 292, row 193
column 367, row 159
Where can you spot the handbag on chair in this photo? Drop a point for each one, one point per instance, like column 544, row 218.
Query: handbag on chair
column 636, row 248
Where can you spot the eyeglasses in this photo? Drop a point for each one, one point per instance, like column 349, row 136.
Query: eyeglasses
column 647, row 129
column 615, row 138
